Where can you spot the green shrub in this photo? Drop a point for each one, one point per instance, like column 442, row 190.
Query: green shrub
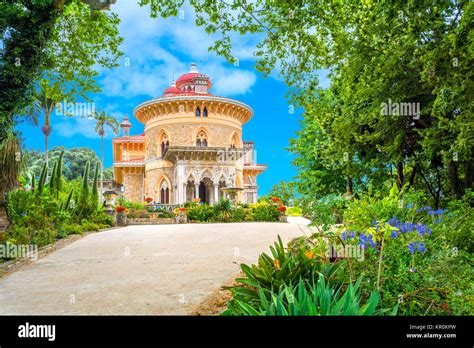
column 239, row 214
column 283, row 267
column 166, row 214
column 201, row 213
column 224, row 209
column 310, row 298
column 294, row 211
column 264, row 212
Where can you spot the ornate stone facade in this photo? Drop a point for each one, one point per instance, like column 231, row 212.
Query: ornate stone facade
column 192, row 147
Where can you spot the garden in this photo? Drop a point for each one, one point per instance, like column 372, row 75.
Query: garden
column 198, row 212
column 44, row 211
column 384, row 153
column 390, row 255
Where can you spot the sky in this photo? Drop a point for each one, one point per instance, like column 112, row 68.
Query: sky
column 156, row 51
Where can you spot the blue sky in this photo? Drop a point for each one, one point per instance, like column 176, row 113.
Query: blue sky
column 155, row 51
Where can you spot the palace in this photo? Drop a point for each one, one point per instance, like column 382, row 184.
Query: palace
column 191, row 147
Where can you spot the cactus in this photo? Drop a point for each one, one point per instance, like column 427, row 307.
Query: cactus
column 58, row 173
column 85, row 178
column 52, row 178
column 68, row 200
column 95, row 192
column 32, row 182
column 42, row 180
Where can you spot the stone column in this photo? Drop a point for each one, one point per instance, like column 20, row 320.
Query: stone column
column 216, row 193
column 196, row 190
column 183, row 195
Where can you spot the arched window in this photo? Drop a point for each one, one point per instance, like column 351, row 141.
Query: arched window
column 204, row 112
column 164, row 144
column 198, row 112
column 201, row 140
column 164, row 193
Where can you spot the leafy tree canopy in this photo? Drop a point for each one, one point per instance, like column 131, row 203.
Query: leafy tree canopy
column 74, row 161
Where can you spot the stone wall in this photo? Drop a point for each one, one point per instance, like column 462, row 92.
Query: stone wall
column 133, row 187
column 184, row 134
column 153, row 181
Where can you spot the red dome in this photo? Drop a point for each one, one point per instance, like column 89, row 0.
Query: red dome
column 172, row 90
column 189, row 78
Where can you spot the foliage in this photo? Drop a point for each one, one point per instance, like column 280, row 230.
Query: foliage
column 357, row 132
column 10, row 162
column 285, row 191
column 66, row 41
column 326, row 211
column 201, row 213
column 418, row 259
column 263, row 211
column 240, row 214
column 310, row 298
column 52, row 210
column 224, row 209
column 294, row 211
column 74, row 161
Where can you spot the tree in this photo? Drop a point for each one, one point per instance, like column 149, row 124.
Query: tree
column 416, row 53
column 45, row 101
column 285, row 191
column 11, row 163
column 74, row 161
column 103, row 121
column 67, row 38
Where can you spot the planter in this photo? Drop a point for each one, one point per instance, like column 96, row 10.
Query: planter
column 283, row 218
column 148, row 221
column 121, row 219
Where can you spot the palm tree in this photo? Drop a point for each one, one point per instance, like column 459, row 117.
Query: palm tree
column 103, row 121
column 45, row 101
column 11, row 164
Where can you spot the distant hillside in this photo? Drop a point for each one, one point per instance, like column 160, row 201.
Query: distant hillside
column 74, row 161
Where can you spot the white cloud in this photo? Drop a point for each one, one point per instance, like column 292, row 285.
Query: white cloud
column 158, row 49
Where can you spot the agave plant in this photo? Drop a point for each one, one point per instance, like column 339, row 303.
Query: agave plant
column 224, row 207
column 310, row 299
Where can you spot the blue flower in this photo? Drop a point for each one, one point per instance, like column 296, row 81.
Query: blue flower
column 374, row 222
column 413, row 270
column 437, row 221
column 411, row 248
column 426, row 208
column 409, row 205
column 406, row 227
column 364, row 240
column 416, row 246
column 394, row 222
column 421, row 247
column 394, row 234
column 344, row 235
column 422, row 229
column 351, row 234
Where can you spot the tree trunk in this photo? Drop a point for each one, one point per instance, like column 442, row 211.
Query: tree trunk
column 4, row 221
column 468, row 174
column 454, row 179
column 46, row 149
column 349, row 185
column 411, row 179
column 400, row 175
column 102, row 169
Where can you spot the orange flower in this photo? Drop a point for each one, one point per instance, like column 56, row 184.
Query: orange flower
column 276, row 263
column 309, row 254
